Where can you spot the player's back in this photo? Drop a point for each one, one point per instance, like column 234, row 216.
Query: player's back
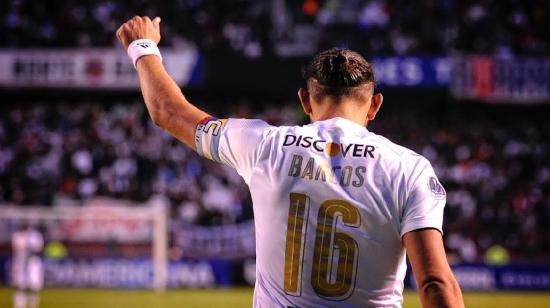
column 330, row 203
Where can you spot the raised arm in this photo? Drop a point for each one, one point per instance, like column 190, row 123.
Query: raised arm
column 165, row 103
column 437, row 286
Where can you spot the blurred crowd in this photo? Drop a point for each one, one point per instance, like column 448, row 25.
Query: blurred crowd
column 291, row 28
column 496, row 169
column 59, row 153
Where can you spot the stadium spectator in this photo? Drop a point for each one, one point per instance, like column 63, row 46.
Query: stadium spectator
column 290, row 28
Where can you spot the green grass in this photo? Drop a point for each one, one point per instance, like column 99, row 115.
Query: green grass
column 235, row 297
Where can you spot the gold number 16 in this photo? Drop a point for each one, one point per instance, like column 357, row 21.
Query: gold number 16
column 334, row 284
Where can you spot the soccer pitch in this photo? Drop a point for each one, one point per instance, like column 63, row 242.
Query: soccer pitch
column 233, row 297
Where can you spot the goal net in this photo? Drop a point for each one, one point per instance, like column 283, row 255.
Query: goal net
column 103, row 243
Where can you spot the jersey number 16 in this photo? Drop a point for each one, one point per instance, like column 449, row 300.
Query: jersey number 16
column 328, row 282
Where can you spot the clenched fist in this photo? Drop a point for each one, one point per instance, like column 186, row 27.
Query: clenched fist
column 139, row 28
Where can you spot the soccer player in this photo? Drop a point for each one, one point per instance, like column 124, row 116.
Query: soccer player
column 27, row 270
column 336, row 206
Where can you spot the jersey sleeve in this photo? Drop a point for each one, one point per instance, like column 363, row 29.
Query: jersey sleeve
column 233, row 142
column 425, row 200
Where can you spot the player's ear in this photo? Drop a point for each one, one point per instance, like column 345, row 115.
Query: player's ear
column 376, row 103
column 303, row 94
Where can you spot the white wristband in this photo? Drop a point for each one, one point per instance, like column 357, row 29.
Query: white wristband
column 142, row 47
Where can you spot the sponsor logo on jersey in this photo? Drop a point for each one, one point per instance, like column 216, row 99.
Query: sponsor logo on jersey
column 436, row 188
column 330, row 148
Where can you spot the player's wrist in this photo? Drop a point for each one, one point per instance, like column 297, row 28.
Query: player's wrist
column 142, row 47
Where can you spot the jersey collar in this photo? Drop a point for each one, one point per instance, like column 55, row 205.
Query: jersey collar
column 341, row 122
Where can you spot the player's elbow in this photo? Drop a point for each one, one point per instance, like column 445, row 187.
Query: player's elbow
column 441, row 291
column 158, row 112
column 156, row 118
column 438, row 285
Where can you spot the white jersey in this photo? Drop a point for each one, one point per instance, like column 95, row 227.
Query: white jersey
column 331, row 204
column 27, row 269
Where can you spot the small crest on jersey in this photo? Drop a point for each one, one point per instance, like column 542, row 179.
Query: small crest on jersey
column 436, row 188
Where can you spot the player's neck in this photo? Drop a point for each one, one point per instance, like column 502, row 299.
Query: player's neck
column 341, row 111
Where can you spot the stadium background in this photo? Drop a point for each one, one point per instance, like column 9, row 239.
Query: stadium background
column 466, row 84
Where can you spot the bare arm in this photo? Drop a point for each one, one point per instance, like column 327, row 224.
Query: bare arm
column 165, row 103
column 437, row 286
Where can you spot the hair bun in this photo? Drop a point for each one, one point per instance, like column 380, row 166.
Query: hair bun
column 338, row 68
column 339, row 61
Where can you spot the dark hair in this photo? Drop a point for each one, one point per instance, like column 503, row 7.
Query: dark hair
column 338, row 71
